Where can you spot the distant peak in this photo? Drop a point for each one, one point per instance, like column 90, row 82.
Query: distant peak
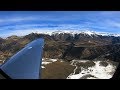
column 73, row 32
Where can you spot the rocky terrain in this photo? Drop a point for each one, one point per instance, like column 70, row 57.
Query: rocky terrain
column 66, row 46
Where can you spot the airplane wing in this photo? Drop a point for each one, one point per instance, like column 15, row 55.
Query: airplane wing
column 25, row 64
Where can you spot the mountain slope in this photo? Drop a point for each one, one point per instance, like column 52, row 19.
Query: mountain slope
column 86, row 45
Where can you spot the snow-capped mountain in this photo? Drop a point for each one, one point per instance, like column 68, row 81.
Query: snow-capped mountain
column 73, row 32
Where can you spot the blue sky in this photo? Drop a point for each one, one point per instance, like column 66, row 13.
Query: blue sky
column 24, row 22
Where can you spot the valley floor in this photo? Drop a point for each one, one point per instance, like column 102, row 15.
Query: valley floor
column 56, row 69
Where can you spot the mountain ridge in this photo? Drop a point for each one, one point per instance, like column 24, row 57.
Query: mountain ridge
column 64, row 46
column 85, row 32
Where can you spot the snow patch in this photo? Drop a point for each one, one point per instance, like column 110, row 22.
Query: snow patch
column 92, row 78
column 42, row 67
column 45, row 63
column 98, row 71
column 53, row 60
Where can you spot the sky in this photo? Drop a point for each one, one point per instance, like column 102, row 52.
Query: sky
column 24, row 22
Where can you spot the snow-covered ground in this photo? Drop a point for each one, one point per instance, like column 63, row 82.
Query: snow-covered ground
column 42, row 66
column 46, row 61
column 95, row 72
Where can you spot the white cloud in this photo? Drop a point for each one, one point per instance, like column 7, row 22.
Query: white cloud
column 24, row 32
column 25, row 29
column 114, row 24
column 16, row 19
column 46, row 26
column 37, row 17
column 110, row 13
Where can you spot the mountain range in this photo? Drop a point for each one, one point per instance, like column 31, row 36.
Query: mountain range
column 67, row 45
